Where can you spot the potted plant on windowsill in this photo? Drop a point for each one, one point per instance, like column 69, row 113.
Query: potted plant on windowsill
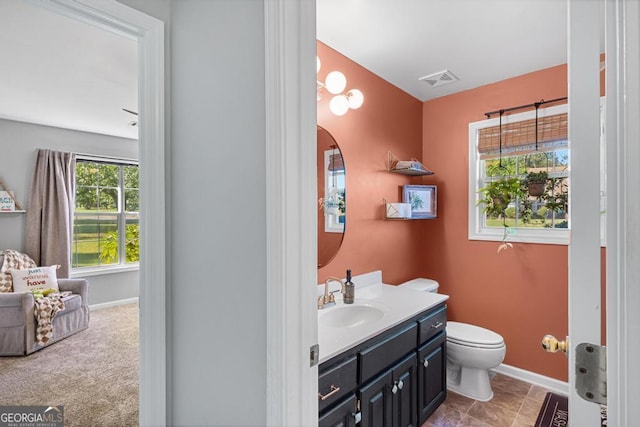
column 536, row 183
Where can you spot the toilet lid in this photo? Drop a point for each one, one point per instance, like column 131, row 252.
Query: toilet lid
column 471, row 335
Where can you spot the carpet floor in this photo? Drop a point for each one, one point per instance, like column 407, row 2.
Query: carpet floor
column 93, row 374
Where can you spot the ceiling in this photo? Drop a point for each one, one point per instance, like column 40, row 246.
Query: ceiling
column 61, row 72
column 479, row 42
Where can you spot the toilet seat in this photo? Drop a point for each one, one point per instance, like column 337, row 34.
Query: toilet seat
column 473, row 336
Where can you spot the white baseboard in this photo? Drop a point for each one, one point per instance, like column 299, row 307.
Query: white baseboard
column 556, row 386
column 113, row 303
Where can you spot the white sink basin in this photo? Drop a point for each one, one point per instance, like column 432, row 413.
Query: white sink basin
column 352, row 315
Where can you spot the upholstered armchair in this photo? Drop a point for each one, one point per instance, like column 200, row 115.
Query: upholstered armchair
column 18, row 323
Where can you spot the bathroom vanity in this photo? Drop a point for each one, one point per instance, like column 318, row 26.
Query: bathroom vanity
column 383, row 358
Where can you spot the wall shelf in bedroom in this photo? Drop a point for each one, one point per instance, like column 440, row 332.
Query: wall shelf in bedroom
column 409, row 167
column 8, row 201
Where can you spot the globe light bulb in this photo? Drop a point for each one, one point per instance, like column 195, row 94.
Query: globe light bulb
column 336, row 82
column 339, row 105
column 356, row 98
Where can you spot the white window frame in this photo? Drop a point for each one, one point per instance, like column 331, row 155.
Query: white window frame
column 527, row 235
column 122, row 265
column 477, row 230
column 331, row 222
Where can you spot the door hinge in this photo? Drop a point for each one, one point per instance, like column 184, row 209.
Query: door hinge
column 314, row 355
column 591, row 372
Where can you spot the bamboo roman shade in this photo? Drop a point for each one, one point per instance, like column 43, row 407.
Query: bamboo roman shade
column 335, row 162
column 520, row 137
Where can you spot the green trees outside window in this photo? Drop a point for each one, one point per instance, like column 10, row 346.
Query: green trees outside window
column 106, row 216
column 507, row 200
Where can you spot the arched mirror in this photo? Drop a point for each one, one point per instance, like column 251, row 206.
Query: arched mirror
column 332, row 202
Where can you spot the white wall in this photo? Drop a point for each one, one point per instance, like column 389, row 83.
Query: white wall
column 19, row 143
column 216, row 188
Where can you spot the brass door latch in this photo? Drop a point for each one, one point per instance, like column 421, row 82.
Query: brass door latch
column 552, row 345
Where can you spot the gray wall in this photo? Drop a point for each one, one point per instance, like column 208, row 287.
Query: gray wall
column 218, row 227
column 19, row 142
column 216, row 184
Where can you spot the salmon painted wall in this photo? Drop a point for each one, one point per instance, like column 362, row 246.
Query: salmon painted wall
column 389, row 119
column 520, row 293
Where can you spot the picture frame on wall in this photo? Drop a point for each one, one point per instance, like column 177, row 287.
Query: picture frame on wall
column 423, row 200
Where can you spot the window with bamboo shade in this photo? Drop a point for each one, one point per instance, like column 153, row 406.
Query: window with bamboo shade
column 519, row 145
column 520, row 137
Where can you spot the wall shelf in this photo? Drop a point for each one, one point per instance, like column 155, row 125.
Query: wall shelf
column 10, row 212
column 409, row 167
column 8, row 202
column 411, row 171
column 405, row 219
column 400, row 218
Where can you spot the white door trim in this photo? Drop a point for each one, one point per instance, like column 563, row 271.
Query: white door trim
column 622, row 24
column 584, row 141
column 292, row 384
column 116, row 17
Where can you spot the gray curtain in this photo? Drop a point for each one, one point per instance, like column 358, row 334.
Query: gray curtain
column 50, row 210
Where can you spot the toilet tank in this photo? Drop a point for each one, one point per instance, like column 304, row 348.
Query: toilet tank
column 420, row 284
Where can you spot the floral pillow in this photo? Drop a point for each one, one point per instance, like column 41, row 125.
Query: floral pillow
column 37, row 278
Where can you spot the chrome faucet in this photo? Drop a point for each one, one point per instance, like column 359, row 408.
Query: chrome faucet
column 327, row 300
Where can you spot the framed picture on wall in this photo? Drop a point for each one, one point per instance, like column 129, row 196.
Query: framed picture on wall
column 423, row 200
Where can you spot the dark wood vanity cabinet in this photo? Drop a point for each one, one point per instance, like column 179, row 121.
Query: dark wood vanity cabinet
column 375, row 401
column 432, row 362
column 337, row 381
column 405, row 399
column 390, row 399
column 432, row 376
column 342, row 414
column 396, row 379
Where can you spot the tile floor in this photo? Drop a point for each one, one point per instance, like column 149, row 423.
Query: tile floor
column 515, row 403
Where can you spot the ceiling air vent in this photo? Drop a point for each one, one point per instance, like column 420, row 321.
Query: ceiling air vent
column 440, row 78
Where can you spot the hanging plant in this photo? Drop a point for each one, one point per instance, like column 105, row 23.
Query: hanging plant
column 501, row 195
column 497, row 195
column 556, row 195
column 536, row 183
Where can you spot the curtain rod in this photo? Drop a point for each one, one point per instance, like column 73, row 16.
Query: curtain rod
column 520, row 107
column 98, row 157
column 101, row 158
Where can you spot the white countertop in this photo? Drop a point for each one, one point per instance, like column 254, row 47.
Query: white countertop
column 397, row 303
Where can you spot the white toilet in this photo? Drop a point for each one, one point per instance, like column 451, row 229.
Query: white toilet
column 471, row 352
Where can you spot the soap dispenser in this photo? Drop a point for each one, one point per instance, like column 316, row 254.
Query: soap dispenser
column 349, row 290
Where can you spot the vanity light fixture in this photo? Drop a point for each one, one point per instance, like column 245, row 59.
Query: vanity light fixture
column 335, row 84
